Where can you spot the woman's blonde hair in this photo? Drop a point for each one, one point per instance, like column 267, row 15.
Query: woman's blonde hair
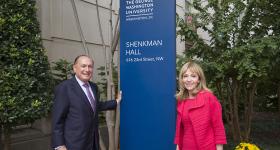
column 195, row 68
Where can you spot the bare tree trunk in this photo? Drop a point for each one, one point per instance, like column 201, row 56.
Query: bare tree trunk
column 109, row 115
column 111, row 118
column 114, row 44
column 79, row 27
column 7, row 138
column 230, row 114
column 227, row 106
column 101, row 142
column 1, row 138
column 278, row 94
column 117, row 127
column 249, row 110
column 236, row 124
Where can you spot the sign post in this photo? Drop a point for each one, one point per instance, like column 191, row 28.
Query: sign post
column 148, row 74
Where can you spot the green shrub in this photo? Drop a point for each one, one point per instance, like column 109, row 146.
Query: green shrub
column 24, row 69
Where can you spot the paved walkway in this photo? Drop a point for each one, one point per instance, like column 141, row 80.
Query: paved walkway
column 34, row 139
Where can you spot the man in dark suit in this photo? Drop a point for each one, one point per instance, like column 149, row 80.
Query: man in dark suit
column 75, row 109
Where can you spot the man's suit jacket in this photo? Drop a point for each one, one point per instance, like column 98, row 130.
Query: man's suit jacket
column 74, row 122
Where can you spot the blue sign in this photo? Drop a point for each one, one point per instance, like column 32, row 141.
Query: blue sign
column 148, row 74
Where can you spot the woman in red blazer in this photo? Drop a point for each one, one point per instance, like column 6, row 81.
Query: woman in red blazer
column 199, row 124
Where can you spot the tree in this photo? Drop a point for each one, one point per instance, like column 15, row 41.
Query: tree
column 61, row 70
column 237, row 56
column 271, row 21
column 24, row 68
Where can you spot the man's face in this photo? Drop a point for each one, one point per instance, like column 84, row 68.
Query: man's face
column 83, row 68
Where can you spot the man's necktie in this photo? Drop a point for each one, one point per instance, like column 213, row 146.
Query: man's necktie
column 91, row 98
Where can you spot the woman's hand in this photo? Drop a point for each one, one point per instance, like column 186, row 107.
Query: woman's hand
column 177, row 147
column 219, row 147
